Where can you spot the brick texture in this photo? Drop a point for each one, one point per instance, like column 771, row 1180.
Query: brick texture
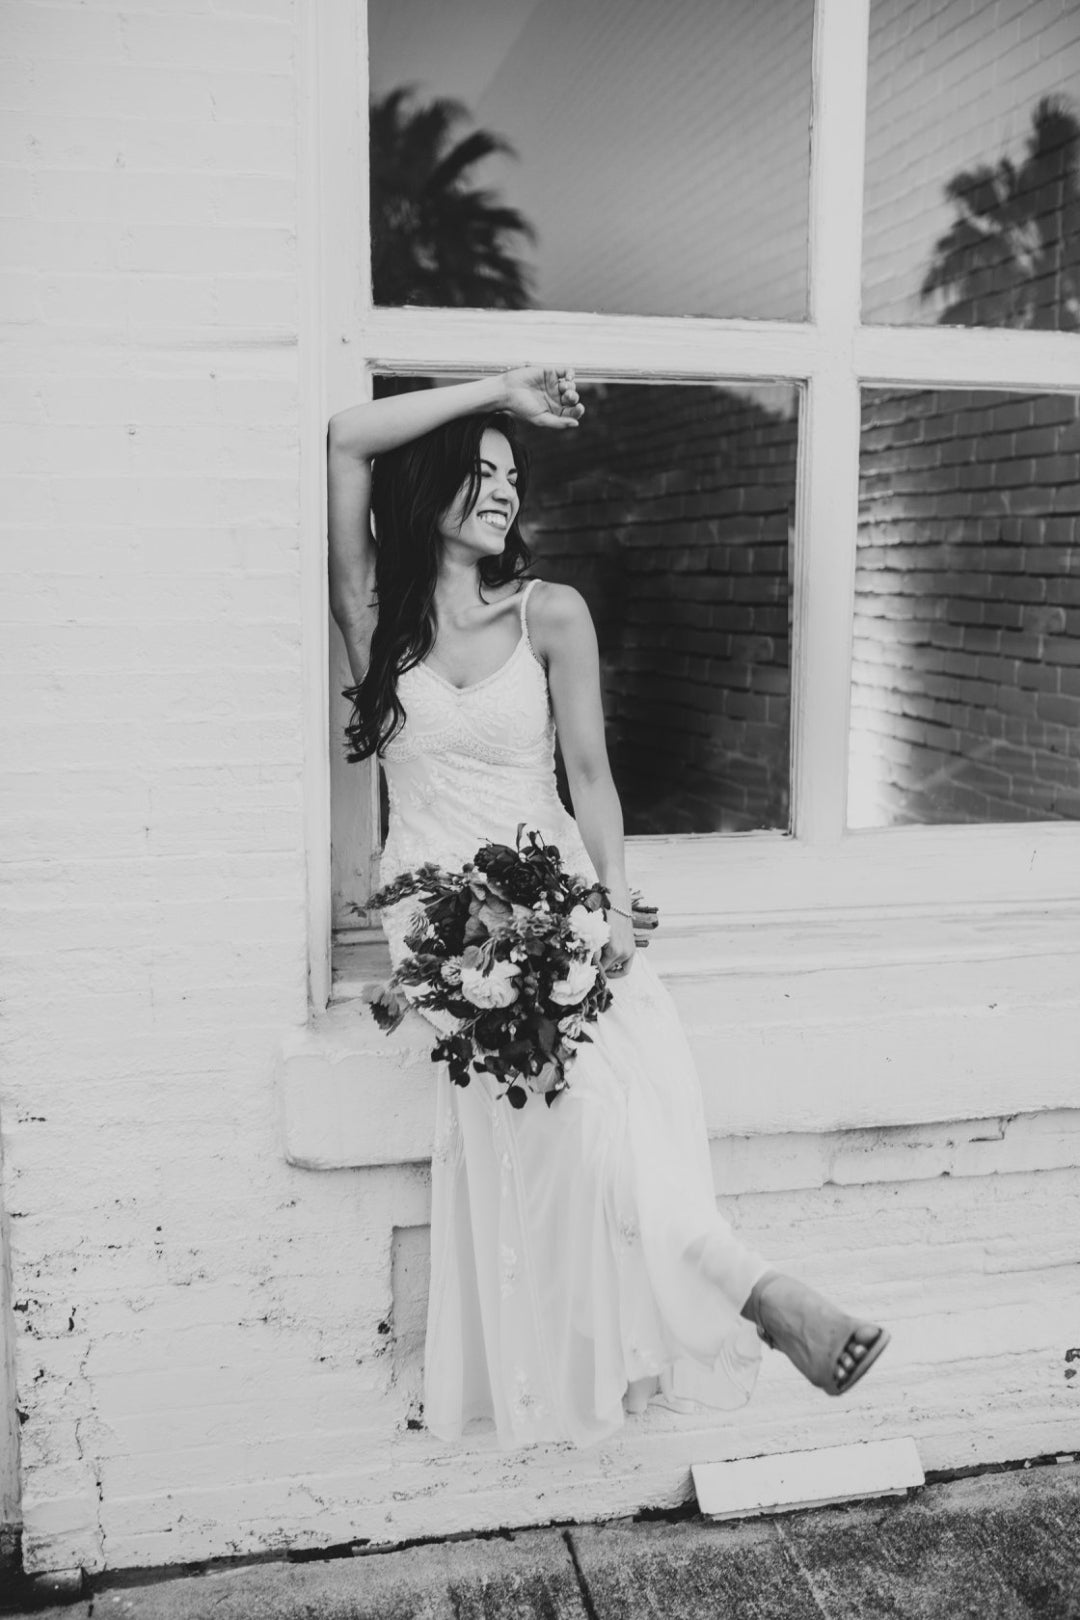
column 952, row 86
column 167, row 1277
column 966, row 675
column 672, row 516
column 204, row 1335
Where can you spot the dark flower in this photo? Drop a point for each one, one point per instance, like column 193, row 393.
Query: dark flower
column 508, row 906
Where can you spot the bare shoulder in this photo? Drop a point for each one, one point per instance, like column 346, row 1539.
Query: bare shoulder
column 557, row 613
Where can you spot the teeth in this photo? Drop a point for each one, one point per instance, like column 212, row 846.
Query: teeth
column 496, row 519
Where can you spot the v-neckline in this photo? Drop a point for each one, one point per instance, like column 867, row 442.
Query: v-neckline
column 473, row 686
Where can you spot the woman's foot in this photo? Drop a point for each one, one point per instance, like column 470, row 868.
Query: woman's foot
column 828, row 1347
column 639, row 1392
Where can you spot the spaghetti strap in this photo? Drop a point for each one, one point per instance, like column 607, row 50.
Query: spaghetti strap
column 524, row 622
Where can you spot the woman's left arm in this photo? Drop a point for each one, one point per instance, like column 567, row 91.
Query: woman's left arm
column 561, row 630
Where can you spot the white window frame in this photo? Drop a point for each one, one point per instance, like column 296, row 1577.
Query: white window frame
column 698, row 880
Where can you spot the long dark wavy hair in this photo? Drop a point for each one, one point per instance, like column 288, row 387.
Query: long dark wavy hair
column 411, row 488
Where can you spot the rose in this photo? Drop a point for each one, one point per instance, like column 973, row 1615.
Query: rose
column 579, row 980
column 591, row 927
column 496, row 988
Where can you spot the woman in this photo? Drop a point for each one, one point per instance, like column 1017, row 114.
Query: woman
column 579, row 1265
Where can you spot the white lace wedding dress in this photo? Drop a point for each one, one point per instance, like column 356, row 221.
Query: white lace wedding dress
column 576, row 1249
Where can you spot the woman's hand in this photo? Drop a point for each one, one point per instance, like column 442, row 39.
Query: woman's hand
column 545, row 398
column 618, row 953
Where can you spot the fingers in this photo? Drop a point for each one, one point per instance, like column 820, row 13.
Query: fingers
column 569, row 399
column 567, row 409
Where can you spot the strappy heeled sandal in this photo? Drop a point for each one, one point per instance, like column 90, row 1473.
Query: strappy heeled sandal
column 815, row 1335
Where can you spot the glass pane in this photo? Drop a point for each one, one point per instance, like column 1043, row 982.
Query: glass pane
column 619, row 155
column 671, row 510
column 966, row 677
column 972, row 206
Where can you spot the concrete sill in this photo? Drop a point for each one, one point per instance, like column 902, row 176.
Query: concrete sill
column 802, row 1025
column 794, row 942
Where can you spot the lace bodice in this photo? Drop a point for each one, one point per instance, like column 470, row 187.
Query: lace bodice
column 472, row 762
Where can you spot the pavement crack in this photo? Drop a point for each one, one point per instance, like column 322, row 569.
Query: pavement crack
column 800, row 1565
column 583, row 1586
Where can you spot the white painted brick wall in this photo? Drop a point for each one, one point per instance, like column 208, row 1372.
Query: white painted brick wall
column 202, row 1357
column 154, row 918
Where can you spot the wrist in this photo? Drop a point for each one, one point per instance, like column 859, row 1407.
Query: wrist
column 618, row 891
column 495, row 394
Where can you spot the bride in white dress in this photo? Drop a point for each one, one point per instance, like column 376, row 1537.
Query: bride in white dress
column 579, row 1266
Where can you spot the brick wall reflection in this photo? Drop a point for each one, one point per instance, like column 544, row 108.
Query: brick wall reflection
column 966, row 678
column 671, row 513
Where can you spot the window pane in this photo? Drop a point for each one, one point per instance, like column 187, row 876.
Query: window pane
column 966, row 678
column 671, row 511
column 972, row 212
column 662, row 155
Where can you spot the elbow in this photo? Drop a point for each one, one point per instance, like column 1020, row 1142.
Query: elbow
column 342, row 438
column 586, row 776
column 336, row 435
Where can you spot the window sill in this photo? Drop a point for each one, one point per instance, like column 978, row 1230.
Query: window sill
column 800, row 1022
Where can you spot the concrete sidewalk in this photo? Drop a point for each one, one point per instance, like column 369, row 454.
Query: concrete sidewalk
column 997, row 1547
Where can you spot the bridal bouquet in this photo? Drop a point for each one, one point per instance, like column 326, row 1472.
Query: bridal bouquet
column 510, row 948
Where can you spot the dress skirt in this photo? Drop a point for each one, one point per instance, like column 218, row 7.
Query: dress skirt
column 577, row 1249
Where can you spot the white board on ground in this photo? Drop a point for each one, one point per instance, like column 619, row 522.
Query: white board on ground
column 799, row 1479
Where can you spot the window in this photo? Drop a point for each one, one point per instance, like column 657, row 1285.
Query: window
column 818, row 843
column 966, row 660
column 655, row 158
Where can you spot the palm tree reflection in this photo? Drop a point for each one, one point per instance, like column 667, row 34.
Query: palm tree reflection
column 436, row 237
column 1012, row 255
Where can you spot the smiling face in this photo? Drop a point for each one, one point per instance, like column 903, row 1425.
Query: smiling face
column 482, row 528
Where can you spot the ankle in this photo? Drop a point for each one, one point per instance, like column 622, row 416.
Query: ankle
column 751, row 1310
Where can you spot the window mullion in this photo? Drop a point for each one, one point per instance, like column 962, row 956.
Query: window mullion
column 829, row 442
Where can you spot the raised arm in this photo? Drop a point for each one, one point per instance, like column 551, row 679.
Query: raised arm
column 355, row 436
column 546, row 397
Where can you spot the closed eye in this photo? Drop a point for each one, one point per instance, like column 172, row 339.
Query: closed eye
column 488, row 469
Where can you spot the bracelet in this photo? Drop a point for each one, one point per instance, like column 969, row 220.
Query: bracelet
column 629, row 915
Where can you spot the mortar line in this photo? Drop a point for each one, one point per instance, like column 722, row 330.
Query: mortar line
column 583, row 1586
